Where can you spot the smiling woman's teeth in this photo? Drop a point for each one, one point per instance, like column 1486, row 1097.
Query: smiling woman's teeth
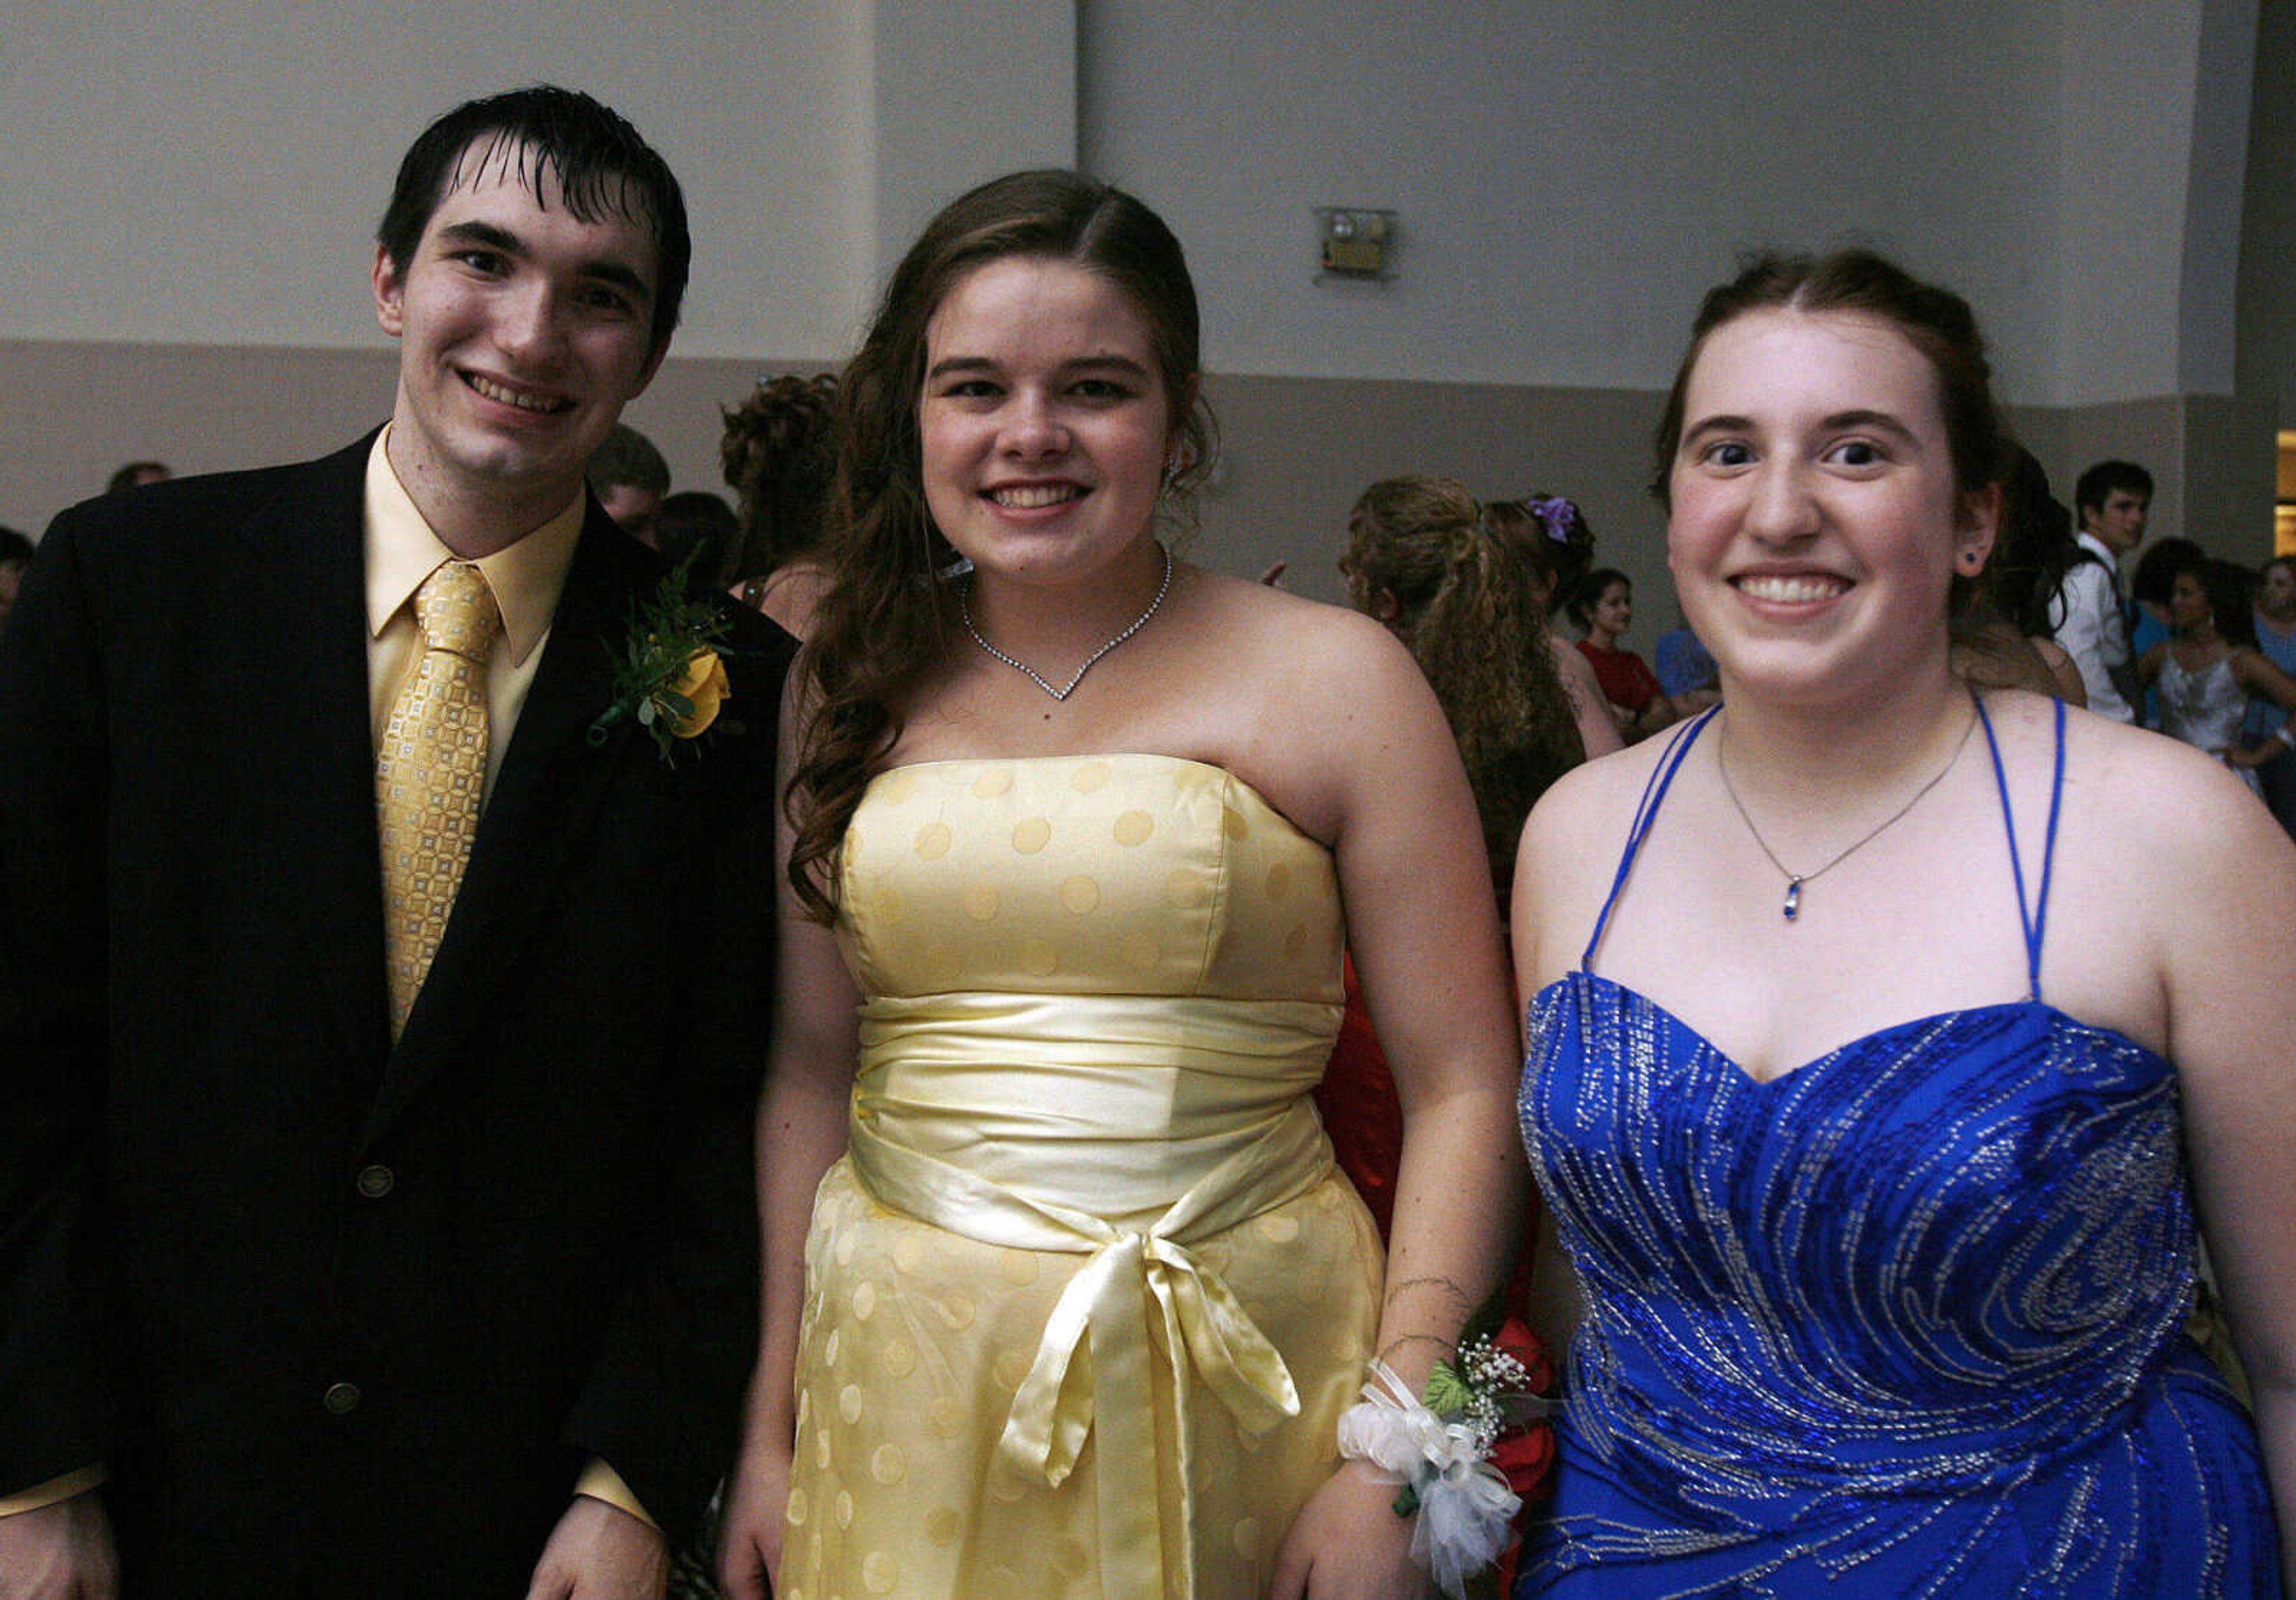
column 1788, row 591
column 510, row 396
column 1032, row 496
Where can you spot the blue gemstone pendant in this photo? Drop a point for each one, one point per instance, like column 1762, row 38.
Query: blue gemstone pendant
column 1793, row 899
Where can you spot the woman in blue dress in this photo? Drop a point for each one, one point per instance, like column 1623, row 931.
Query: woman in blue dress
column 1883, row 1061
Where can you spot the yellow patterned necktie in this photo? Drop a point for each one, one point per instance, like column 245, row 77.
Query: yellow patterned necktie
column 431, row 773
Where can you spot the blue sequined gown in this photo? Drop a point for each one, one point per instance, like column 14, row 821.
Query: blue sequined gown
column 1905, row 1322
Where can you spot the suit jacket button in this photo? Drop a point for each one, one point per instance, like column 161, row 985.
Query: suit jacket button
column 342, row 1399
column 376, row 1181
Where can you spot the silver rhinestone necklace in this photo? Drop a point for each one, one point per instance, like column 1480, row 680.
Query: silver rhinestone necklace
column 1791, row 909
column 965, row 608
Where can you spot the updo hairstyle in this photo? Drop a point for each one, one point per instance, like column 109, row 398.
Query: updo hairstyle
column 1935, row 321
column 780, row 453
column 1549, row 532
column 1468, row 605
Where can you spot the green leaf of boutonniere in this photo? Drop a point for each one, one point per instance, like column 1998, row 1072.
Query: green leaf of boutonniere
column 669, row 675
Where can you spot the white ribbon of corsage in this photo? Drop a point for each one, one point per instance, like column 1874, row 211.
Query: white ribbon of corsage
column 1464, row 1503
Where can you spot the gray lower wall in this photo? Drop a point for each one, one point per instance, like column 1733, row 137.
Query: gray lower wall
column 1296, row 450
column 70, row 412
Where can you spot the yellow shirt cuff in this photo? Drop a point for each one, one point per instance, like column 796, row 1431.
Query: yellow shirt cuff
column 70, row 1484
column 602, row 1483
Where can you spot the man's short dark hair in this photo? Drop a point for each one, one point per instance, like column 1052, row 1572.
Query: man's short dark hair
column 14, row 546
column 627, row 456
column 2097, row 486
column 603, row 167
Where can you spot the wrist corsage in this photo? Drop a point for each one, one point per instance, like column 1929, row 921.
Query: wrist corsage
column 1466, row 1451
column 668, row 678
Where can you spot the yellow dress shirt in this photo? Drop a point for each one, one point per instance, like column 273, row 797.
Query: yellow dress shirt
column 527, row 578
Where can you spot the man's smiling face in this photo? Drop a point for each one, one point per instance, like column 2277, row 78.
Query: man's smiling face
column 523, row 331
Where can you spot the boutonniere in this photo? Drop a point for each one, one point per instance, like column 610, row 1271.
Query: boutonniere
column 668, row 678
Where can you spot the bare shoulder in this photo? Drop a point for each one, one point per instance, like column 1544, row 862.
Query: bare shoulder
column 2063, row 669
column 1571, row 662
column 1261, row 615
column 1320, row 708
column 2102, row 756
column 1594, row 799
column 2253, row 666
column 1316, row 659
column 2148, row 791
column 1571, row 846
column 2164, row 835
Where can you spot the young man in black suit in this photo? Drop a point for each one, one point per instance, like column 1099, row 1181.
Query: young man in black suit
column 329, row 1266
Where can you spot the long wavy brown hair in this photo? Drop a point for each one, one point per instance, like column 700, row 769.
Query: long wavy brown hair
column 1548, row 531
column 890, row 617
column 1466, row 602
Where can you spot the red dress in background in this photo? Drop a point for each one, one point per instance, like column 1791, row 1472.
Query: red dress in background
column 1626, row 677
column 1357, row 1102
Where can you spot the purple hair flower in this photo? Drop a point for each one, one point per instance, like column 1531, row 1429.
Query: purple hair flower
column 1556, row 514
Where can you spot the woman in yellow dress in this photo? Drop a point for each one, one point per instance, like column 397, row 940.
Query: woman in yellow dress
column 1063, row 1293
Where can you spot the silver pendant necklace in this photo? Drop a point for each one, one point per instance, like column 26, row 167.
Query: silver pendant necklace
column 1791, row 909
column 965, row 609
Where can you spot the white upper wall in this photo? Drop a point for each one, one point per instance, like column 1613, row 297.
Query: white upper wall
column 2155, row 120
column 211, row 171
column 2215, row 191
column 1571, row 173
column 965, row 93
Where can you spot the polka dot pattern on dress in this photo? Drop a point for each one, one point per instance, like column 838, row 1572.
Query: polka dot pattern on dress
column 1003, row 890
column 1061, row 870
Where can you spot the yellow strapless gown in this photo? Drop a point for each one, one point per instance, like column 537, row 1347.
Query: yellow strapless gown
column 1085, row 1301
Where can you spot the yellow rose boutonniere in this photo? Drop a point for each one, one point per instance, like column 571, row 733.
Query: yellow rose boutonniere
column 668, row 678
column 702, row 688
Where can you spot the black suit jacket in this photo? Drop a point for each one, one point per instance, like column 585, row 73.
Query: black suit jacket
column 346, row 1317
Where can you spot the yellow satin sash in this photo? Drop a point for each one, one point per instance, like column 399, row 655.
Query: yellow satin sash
column 1050, row 1154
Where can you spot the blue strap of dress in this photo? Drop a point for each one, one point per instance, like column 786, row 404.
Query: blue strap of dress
column 1661, row 778
column 2034, row 919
